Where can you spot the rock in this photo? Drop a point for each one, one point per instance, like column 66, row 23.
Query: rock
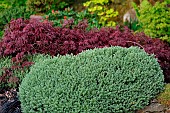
column 153, row 108
column 36, row 17
column 168, row 110
column 154, row 101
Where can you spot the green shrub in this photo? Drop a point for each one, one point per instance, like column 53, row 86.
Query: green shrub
column 4, row 63
column 62, row 4
column 133, row 25
column 1, row 34
column 155, row 20
column 104, row 80
column 18, row 3
column 13, row 13
column 39, row 5
column 58, row 17
column 5, row 4
column 42, row 6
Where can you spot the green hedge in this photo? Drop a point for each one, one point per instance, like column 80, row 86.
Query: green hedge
column 104, row 80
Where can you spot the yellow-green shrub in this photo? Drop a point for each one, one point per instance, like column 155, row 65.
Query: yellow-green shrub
column 105, row 14
column 155, row 20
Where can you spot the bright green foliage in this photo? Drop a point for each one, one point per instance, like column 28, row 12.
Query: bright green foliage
column 13, row 13
column 58, row 17
column 105, row 14
column 155, row 20
column 108, row 80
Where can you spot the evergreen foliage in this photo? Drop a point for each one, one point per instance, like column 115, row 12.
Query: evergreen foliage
column 107, row 80
column 155, row 20
column 4, row 64
column 39, row 5
column 43, row 6
column 12, row 13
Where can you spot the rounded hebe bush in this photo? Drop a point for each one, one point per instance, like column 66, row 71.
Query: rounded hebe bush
column 103, row 80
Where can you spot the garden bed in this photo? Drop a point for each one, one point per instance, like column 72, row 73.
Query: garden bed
column 62, row 31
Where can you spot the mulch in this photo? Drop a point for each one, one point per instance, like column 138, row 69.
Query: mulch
column 9, row 102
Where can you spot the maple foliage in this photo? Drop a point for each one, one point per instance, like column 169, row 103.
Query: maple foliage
column 24, row 37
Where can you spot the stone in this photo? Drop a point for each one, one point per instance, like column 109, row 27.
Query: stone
column 153, row 108
column 36, row 17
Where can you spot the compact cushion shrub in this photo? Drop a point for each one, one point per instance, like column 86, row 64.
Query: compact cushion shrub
column 103, row 80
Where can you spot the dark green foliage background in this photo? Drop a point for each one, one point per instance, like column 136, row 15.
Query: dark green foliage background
column 42, row 6
column 108, row 80
column 13, row 13
column 58, row 18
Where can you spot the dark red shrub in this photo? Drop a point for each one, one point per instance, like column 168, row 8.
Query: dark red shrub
column 29, row 37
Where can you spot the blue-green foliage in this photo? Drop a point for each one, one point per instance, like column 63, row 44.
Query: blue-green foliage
column 108, row 80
